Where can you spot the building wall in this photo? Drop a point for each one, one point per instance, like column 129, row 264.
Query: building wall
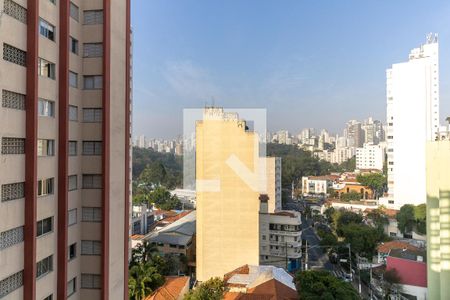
column 112, row 96
column 411, row 86
column 273, row 243
column 273, row 173
column 227, row 218
column 438, row 219
column 370, row 157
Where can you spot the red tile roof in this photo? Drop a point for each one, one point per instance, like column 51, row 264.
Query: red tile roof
column 388, row 246
column 171, row 290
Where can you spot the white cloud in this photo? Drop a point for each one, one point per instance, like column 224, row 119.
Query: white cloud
column 190, row 81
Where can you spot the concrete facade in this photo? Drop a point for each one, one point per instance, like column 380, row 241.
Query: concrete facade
column 64, row 130
column 438, row 219
column 411, row 86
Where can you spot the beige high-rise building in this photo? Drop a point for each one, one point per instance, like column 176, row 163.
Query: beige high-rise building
column 438, row 218
column 227, row 206
column 64, row 161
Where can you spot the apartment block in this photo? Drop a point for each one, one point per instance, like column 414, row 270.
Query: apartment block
column 280, row 237
column 411, row 86
column 64, row 160
column 227, row 206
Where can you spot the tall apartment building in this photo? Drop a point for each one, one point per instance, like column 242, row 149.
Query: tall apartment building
column 438, row 218
column 64, row 162
column 227, row 207
column 370, row 157
column 412, row 87
column 354, row 134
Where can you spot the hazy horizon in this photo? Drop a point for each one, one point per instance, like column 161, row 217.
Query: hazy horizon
column 310, row 64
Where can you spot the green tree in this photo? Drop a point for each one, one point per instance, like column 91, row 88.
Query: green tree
column 212, row 289
column 144, row 279
column 312, row 285
column 405, row 218
column 362, row 238
column 153, row 174
column 329, row 214
column 162, row 198
column 390, row 283
column 378, row 217
column 352, row 196
column 345, row 217
column 142, row 253
column 420, row 214
column 375, row 181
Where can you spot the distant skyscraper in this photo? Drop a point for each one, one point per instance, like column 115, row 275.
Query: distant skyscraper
column 413, row 119
column 355, row 134
column 141, row 141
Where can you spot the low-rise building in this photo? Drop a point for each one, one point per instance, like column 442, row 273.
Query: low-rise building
column 385, row 248
column 280, row 237
column 259, row 282
column 411, row 267
column 177, row 238
column 174, row 288
column 317, row 185
column 141, row 219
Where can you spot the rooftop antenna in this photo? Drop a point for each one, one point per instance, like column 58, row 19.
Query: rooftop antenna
column 213, row 101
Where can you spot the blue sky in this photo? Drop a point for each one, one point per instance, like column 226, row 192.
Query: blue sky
column 310, row 63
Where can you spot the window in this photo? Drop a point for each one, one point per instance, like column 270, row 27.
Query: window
column 93, row 17
column 46, row 108
column 73, row 79
column 92, row 148
column 92, row 115
column 73, row 45
column 16, row 11
column 45, row 187
column 93, row 82
column 11, row 237
column 74, row 12
column 14, row 55
column 73, row 182
column 46, row 68
column 73, row 148
column 90, row 281
column 72, row 217
column 44, row 266
column 13, row 100
column 91, row 214
column 44, row 226
column 71, row 287
column 92, row 50
column 45, row 147
column 73, row 113
column 72, row 251
column 92, row 181
column 46, row 29
column 49, row 297
column 91, row 247
column 13, row 191
column 11, row 283
column 13, row 145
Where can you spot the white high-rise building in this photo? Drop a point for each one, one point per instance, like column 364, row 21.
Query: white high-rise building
column 412, row 120
column 370, row 157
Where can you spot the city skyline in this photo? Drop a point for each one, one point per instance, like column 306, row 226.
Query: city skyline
column 196, row 60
